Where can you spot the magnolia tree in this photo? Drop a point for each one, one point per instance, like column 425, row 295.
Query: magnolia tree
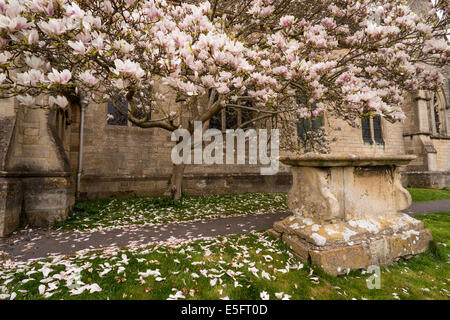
column 279, row 59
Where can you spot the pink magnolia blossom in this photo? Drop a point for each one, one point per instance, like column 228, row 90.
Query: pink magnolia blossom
column 78, row 47
column 287, row 21
column 4, row 57
column 32, row 77
column 62, row 77
column 89, row 78
column 34, row 62
column 26, row 100
column 53, row 27
column 60, row 101
column 73, row 10
column 264, row 52
column 129, row 67
column 13, row 24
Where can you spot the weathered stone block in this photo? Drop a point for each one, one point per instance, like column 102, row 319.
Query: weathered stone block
column 332, row 188
column 339, row 260
column 347, row 213
column 10, row 205
column 47, row 199
column 409, row 243
column 274, row 234
column 300, row 248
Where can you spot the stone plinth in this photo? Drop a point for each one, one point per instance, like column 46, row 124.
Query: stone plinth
column 347, row 212
column 36, row 199
column 47, row 198
column 10, row 205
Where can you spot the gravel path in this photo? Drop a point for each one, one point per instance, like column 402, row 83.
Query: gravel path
column 428, row 206
column 33, row 243
column 38, row 243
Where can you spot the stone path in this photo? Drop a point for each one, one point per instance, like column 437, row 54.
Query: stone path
column 428, row 206
column 31, row 244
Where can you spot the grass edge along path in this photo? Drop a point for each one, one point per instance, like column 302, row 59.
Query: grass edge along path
column 419, row 194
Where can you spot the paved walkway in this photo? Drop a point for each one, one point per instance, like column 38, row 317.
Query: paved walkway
column 428, row 206
column 31, row 244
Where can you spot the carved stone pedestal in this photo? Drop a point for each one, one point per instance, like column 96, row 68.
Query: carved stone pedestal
column 347, row 212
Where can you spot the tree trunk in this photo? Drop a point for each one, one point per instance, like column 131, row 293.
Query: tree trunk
column 175, row 188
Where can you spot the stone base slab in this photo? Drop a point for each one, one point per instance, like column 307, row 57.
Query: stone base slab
column 10, row 205
column 355, row 244
column 47, row 199
column 426, row 179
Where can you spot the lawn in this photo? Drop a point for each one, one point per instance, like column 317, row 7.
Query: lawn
column 106, row 213
column 429, row 194
column 251, row 266
column 247, row 266
column 97, row 214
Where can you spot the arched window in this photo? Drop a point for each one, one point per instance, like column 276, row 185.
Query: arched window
column 307, row 124
column 377, row 131
column 230, row 118
column 372, row 131
column 366, row 130
column 437, row 120
column 437, row 109
column 117, row 114
column 118, row 110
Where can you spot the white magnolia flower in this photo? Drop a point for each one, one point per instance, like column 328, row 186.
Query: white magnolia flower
column 129, row 67
column 62, row 77
column 78, row 47
column 4, row 57
column 26, row 100
column 41, row 289
column 60, row 101
column 264, row 295
column 34, row 62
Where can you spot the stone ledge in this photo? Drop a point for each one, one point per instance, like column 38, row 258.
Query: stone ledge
column 186, row 176
column 30, row 174
column 345, row 160
column 426, row 179
column 11, row 198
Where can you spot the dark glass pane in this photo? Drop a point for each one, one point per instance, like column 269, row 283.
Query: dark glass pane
column 216, row 95
column 141, row 113
column 317, row 123
column 366, row 132
column 301, row 100
column 303, row 127
column 119, row 118
column 246, row 115
column 231, row 118
column 377, row 131
column 216, row 121
column 437, row 119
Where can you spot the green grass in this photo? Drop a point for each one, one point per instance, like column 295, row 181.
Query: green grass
column 244, row 266
column 159, row 210
column 429, row 194
column 96, row 214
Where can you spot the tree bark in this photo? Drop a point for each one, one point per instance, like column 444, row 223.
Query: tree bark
column 176, row 182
